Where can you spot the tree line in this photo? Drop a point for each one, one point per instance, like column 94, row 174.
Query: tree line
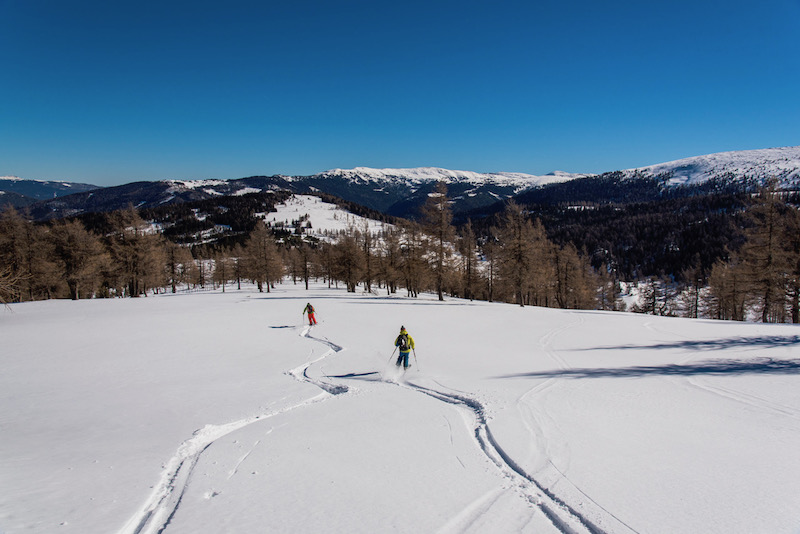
column 512, row 260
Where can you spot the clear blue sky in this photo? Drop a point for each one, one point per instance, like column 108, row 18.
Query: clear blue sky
column 109, row 92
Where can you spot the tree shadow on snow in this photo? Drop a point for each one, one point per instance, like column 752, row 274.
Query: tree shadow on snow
column 767, row 366
column 712, row 344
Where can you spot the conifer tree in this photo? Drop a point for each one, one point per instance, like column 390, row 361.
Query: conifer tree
column 412, row 251
column 237, row 265
column 467, row 248
column 792, row 248
column 764, row 257
column 78, row 255
column 222, row 268
column 349, row 262
column 491, row 252
column 516, row 252
column 389, row 257
column 27, row 256
column 574, row 279
column 136, row 251
column 437, row 219
column 727, row 296
column 264, row 263
column 367, row 246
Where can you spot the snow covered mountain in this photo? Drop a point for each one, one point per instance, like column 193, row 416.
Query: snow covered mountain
column 397, row 192
column 400, row 192
column 425, row 175
column 742, row 166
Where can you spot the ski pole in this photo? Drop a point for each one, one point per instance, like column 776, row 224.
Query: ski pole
column 392, row 356
column 415, row 359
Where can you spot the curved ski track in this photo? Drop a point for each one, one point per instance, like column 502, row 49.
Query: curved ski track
column 608, row 522
column 156, row 514
column 564, row 517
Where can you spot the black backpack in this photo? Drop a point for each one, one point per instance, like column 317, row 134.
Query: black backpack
column 403, row 342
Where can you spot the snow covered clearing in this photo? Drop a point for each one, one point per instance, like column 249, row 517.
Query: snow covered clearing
column 323, row 217
column 224, row 412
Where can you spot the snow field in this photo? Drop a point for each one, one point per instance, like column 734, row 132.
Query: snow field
column 212, row 412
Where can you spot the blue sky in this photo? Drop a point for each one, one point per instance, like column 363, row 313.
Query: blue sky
column 114, row 92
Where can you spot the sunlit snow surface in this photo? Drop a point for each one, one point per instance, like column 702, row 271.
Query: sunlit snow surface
column 212, row 412
column 782, row 164
column 325, row 219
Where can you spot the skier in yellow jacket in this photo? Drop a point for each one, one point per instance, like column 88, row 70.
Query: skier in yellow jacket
column 405, row 343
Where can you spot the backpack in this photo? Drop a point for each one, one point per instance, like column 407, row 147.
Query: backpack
column 402, row 340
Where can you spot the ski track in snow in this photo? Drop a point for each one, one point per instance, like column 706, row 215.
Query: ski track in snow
column 162, row 505
column 561, row 515
column 536, row 421
column 156, row 514
column 564, row 517
column 753, row 401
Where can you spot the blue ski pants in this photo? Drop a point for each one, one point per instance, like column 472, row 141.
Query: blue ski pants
column 403, row 359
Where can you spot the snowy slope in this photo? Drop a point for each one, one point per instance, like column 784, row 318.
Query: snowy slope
column 212, row 412
column 325, row 219
column 760, row 165
column 421, row 175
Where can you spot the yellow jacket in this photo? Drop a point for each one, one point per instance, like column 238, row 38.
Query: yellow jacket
column 410, row 342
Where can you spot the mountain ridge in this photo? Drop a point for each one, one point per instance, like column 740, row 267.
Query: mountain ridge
column 401, row 192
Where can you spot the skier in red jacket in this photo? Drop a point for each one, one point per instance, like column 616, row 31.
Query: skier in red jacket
column 310, row 310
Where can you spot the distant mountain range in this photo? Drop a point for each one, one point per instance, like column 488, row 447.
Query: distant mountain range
column 401, row 192
column 18, row 192
column 783, row 164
